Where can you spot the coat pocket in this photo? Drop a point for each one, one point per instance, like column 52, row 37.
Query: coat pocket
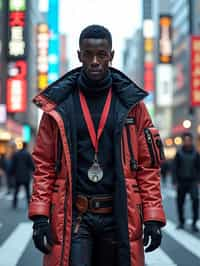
column 54, row 219
column 155, row 146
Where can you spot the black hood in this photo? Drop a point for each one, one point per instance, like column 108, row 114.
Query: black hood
column 128, row 91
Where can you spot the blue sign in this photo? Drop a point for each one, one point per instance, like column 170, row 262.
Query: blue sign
column 26, row 133
column 54, row 46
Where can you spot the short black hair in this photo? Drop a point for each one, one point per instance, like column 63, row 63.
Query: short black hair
column 187, row 134
column 95, row 32
column 25, row 145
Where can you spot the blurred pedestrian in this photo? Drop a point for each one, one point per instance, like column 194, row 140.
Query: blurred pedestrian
column 97, row 159
column 164, row 171
column 11, row 149
column 186, row 177
column 2, row 169
column 21, row 169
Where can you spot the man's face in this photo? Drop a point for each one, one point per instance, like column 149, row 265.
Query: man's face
column 187, row 142
column 95, row 55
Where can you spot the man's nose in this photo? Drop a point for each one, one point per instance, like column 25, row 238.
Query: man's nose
column 95, row 60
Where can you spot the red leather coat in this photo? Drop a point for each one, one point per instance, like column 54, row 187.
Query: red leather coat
column 138, row 154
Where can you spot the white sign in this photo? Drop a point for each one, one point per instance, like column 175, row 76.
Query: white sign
column 3, row 113
column 43, row 6
column 16, row 44
column 164, row 85
column 148, row 28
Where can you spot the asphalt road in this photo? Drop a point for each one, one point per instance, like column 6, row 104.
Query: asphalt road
column 16, row 248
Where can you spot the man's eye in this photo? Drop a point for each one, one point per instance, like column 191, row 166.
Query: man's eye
column 88, row 54
column 102, row 55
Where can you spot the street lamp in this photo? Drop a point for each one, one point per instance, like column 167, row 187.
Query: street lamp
column 187, row 123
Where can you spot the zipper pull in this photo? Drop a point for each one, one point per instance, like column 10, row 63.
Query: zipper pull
column 133, row 165
column 78, row 223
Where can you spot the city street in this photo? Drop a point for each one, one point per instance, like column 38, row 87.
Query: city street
column 16, row 248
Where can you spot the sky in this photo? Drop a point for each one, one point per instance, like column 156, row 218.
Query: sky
column 121, row 17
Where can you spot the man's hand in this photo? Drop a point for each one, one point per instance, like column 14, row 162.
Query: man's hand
column 152, row 235
column 42, row 234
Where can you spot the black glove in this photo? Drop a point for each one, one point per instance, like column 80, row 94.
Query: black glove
column 42, row 234
column 152, row 233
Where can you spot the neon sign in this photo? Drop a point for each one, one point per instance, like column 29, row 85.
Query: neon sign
column 42, row 55
column 16, row 29
column 165, row 40
column 16, row 87
column 18, row 5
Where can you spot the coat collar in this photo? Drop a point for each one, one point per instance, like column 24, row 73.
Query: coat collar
column 128, row 91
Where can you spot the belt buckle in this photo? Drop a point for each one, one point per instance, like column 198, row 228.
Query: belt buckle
column 82, row 203
column 94, row 204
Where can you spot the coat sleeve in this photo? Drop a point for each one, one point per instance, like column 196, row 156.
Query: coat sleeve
column 44, row 173
column 148, row 176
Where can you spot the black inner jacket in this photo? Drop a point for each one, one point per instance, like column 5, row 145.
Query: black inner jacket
column 95, row 98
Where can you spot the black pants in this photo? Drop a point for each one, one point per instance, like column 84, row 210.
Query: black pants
column 95, row 242
column 183, row 189
column 16, row 191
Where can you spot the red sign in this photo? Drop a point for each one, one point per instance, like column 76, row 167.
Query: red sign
column 195, row 71
column 17, row 19
column 149, row 76
column 16, row 89
column 16, row 34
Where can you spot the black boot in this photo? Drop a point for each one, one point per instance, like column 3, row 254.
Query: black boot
column 195, row 229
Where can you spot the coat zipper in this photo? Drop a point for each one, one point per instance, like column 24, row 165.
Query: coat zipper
column 133, row 162
column 150, row 145
column 123, row 150
column 64, row 229
column 160, row 147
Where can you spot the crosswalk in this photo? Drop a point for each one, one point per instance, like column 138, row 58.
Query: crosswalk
column 176, row 246
column 16, row 244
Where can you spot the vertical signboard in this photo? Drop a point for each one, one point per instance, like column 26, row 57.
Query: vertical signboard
column 165, row 39
column 53, row 71
column 164, row 85
column 42, row 55
column 149, row 64
column 149, row 78
column 164, row 72
column 17, row 66
column 16, row 87
column 195, row 71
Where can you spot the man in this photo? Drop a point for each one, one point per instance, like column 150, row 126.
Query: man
column 186, row 176
column 89, row 207
column 21, row 169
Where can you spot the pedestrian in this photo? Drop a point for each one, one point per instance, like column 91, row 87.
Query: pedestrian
column 97, row 158
column 164, row 171
column 21, row 169
column 11, row 149
column 186, row 177
column 2, row 169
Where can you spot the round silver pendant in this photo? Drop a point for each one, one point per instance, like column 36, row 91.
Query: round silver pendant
column 95, row 173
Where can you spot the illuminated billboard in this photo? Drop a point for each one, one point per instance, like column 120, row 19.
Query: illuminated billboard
column 53, row 71
column 16, row 29
column 16, row 87
column 164, row 85
column 195, row 70
column 42, row 55
column 165, row 39
column 17, row 5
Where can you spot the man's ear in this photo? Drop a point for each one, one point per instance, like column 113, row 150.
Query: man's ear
column 112, row 56
column 79, row 56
